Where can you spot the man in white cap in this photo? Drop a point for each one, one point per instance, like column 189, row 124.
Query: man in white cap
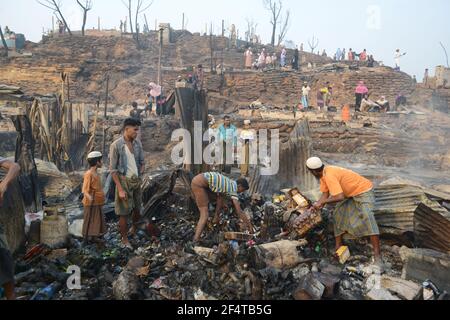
column 355, row 201
column 94, row 225
column 246, row 137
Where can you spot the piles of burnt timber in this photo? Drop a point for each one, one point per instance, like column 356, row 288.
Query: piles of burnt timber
column 293, row 172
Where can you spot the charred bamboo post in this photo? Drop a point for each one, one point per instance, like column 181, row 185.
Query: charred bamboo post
column 105, row 115
column 91, row 142
column 25, row 158
column 70, row 129
column 161, row 30
column 68, row 87
column 3, row 41
column 192, row 107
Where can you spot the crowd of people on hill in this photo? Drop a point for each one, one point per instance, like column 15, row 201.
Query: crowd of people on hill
column 363, row 101
column 266, row 60
column 342, row 55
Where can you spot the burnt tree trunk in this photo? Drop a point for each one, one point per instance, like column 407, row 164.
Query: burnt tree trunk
column 84, row 22
column 131, row 17
column 274, row 31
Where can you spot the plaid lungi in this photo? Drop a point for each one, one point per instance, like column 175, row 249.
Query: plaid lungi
column 355, row 217
column 132, row 187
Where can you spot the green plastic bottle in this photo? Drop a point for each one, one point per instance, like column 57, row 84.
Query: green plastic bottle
column 318, row 248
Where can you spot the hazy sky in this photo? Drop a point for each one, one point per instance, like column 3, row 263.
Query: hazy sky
column 380, row 26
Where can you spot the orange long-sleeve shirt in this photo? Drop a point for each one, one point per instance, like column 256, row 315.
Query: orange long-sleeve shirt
column 92, row 186
column 338, row 180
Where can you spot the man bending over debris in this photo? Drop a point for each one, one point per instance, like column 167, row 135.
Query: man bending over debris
column 127, row 166
column 355, row 201
column 6, row 259
column 210, row 183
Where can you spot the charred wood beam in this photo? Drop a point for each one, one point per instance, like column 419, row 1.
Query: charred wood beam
column 24, row 156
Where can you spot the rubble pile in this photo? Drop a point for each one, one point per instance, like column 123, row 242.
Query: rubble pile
column 289, row 257
column 290, row 253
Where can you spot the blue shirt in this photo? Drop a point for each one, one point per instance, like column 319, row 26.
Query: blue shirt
column 228, row 134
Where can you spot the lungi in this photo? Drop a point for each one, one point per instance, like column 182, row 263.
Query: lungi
column 132, row 188
column 355, row 217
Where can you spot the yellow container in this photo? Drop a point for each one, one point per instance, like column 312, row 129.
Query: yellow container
column 344, row 254
column 279, row 199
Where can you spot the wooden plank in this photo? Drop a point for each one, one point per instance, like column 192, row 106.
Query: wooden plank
column 238, row 236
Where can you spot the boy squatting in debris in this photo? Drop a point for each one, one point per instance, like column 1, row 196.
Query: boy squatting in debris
column 355, row 202
column 94, row 225
column 6, row 259
column 127, row 166
column 205, row 185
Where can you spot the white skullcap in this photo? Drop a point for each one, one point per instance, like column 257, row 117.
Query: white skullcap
column 314, row 163
column 247, row 122
column 95, row 155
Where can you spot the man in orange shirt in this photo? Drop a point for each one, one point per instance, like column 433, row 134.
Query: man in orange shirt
column 355, row 202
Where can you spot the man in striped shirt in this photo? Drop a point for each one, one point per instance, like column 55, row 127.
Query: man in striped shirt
column 205, row 185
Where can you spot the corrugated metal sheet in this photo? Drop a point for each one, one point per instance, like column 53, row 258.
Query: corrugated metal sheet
column 401, row 208
column 432, row 227
column 395, row 206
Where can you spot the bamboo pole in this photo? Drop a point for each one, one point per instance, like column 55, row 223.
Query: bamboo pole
column 105, row 115
column 160, row 56
column 3, row 41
